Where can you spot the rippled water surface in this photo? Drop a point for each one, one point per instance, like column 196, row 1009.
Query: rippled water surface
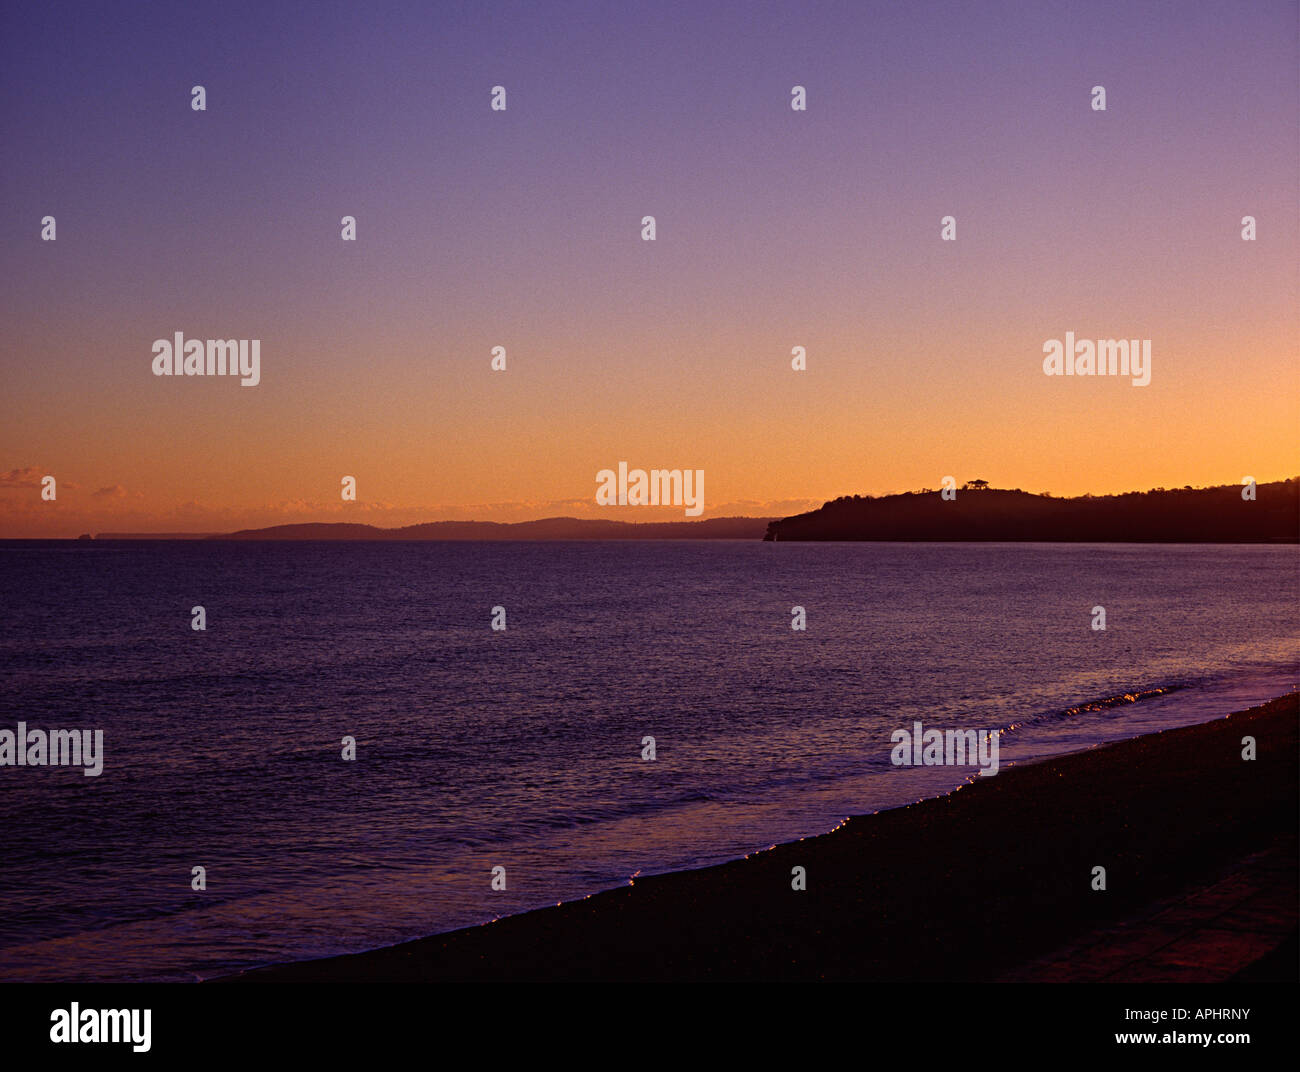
column 522, row 748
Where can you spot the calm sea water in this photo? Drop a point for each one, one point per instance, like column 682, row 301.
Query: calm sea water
column 522, row 749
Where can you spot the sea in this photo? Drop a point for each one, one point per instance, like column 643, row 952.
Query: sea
column 502, row 770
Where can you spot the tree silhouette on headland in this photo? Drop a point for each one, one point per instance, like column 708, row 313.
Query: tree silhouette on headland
column 1197, row 515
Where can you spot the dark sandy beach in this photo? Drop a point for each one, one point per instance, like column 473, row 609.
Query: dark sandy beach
column 992, row 882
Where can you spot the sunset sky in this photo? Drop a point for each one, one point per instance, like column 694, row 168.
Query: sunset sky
column 522, row 229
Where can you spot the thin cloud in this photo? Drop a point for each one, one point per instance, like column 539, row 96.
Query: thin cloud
column 22, row 478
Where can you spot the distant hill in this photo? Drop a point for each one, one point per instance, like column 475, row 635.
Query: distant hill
column 1189, row 515
column 550, row 528
column 149, row 536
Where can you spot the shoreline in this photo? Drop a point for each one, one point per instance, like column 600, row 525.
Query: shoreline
column 972, row 885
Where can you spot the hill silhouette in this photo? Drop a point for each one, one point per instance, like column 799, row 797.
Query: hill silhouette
column 550, row 528
column 1187, row 515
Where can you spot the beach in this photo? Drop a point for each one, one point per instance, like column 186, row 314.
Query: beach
column 994, row 881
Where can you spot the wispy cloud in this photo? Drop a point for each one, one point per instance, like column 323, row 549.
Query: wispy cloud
column 22, row 478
